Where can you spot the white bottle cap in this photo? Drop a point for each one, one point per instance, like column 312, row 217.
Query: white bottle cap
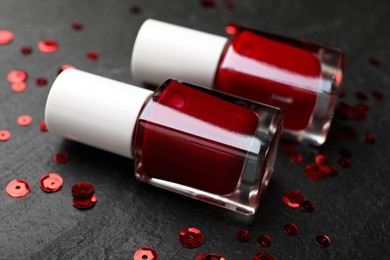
column 163, row 50
column 94, row 110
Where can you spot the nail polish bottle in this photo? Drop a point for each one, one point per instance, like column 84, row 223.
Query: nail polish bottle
column 299, row 77
column 194, row 141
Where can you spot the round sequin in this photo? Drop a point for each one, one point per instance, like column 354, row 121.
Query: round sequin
column 145, row 253
column 42, row 126
column 24, row 120
column 18, row 188
column 344, row 162
column 308, row 206
column 293, row 199
column 369, row 138
column 77, row 26
column 48, row 46
column 26, row 50
column 18, row 87
column 191, row 237
column 334, row 171
column 51, row 182
column 242, row 235
column 231, row 28
column 65, row 67
column 83, row 191
column 314, row 172
column 61, row 157
column 41, row 81
column 321, row 159
column 6, row 37
column 296, row 158
column 17, row 76
column 93, row 55
column 5, row 135
column 264, row 241
column 262, row 256
column 209, row 257
column 322, row 241
column 290, row 229
column 84, row 204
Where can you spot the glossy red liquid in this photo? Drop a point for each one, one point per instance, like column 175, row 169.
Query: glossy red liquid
column 189, row 137
column 271, row 72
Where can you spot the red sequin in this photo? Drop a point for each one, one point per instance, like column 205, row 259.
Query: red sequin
column 207, row 3
column 18, row 87
column 17, row 76
column 290, row 229
column 344, row 162
column 209, row 257
column 334, row 171
column 41, row 81
column 145, row 253
column 61, row 157
column 231, row 28
column 6, row 37
column 135, row 10
column 321, row 159
column 65, row 67
column 5, row 135
column 48, row 46
column 264, row 241
column 296, row 158
column 43, row 126
column 26, row 50
column 51, row 182
column 93, row 55
column 77, row 26
column 314, row 172
column 24, row 120
column 293, row 199
column 377, row 94
column 262, row 256
column 191, row 237
column 242, row 235
column 83, row 191
column 322, row 241
column 369, row 138
column 18, row 188
column 308, row 206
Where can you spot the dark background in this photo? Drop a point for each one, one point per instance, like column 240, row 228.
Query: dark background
column 352, row 208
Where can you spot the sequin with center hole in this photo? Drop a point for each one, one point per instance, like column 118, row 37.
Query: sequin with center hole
column 6, row 37
column 18, row 188
column 322, row 241
column 314, row 172
column 293, row 198
column 77, row 26
column 191, row 237
column 83, row 191
column 43, row 126
column 242, row 235
column 48, row 46
column 296, row 158
column 24, row 120
column 84, row 204
column 321, row 159
column 41, row 81
column 5, row 135
column 264, row 241
column 51, row 182
column 93, row 55
column 61, row 157
column 65, row 67
column 369, row 138
column 290, row 229
column 17, row 76
column 209, row 257
column 308, row 206
column 145, row 253
column 18, row 87
column 344, row 162
column 26, row 50
column 262, row 256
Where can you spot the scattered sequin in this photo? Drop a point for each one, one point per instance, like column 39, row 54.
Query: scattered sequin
column 207, row 3
column 290, row 229
column 6, row 37
column 18, row 188
column 24, row 120
column 334, row 171
column 41, row 81
column 26, row 50
column 18, row 87
column 231, row 28
column 296, row 158
column 369, row 138
column 135, row 10
column 5, row 135
column 293, row 199
column 321, row 159
column 242, row 235
column 145, row 253
column 48, row 46
column 308, row 206
column 377, row 94
column 65, row 67
column 264, row 241
column 17, row 76
column 51, row 182
column 262, row 256
column 209, row 257
column 61, row 157
column 77, row 26
column 314, row 172
column 344, row 162
column 84, row 204
column 43, row 126
column 191, row 237
column 322, row 241
column 83, row 191
column 93, row 55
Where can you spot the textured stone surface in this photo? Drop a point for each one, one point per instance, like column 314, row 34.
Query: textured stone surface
column 352, row 208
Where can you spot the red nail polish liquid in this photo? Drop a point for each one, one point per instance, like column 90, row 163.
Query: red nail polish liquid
column 194, row 141
column 300, row 78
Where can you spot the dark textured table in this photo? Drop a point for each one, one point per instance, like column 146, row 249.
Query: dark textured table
column 352, row 208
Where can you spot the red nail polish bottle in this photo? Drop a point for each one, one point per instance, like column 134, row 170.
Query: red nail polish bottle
column 194, row 141
column 300, row 78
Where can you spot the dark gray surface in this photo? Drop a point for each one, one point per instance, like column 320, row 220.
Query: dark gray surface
column 352, row 208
